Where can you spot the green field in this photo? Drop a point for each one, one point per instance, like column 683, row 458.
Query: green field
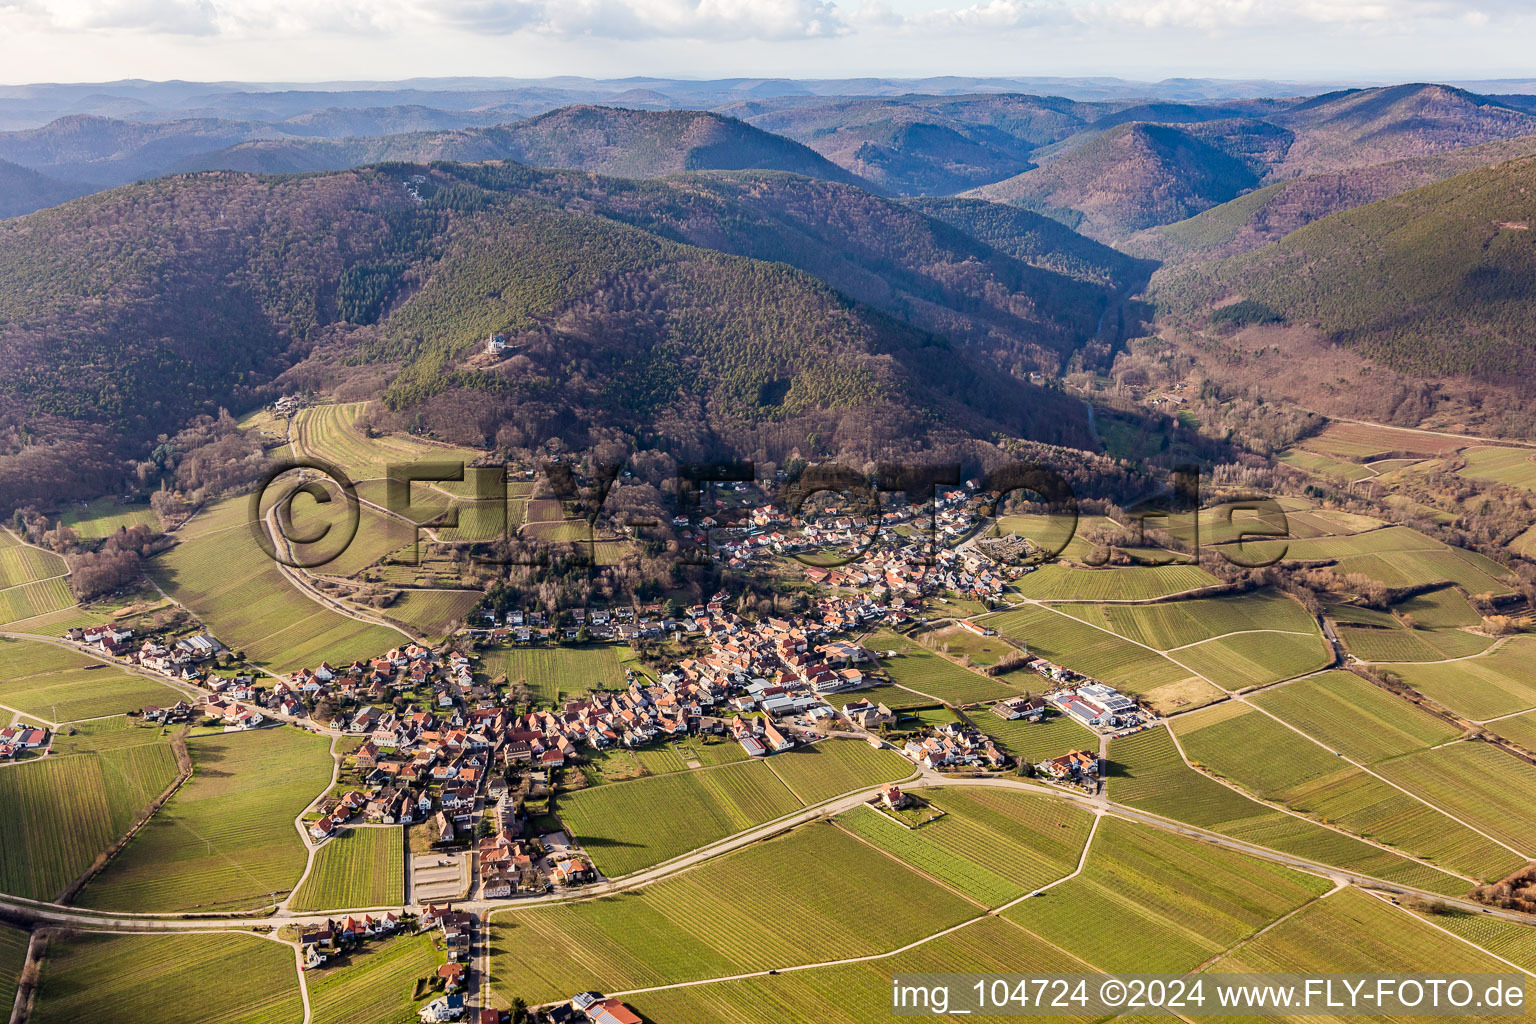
column 20, row 563
column 1398, row 644
column 72, row 805
column 893, row 697
column 330, row 432
column 1478, row 783
column 342, row 552
column 1351, row 715
column 105, row 516
column 1513, row 467
column 13, row 955
column 632, row 825
column 1035, row 741
column 1501, row 682
column 1083, row 648
column 1440, row 609
column 628, row 826
column 811, row 895
column 992, row 845
column 59, row 685
column 1147, row 772
column 223, row 576
column 431, row 612
column 373, row 985
column 30, row 600
column 859, row 993
column 1520, row 729
column 931, row 674
column 1398, row 556
column 1134, row 583
column 1246, row 660
column 219, row 978
column 361, row 867
column 553, row 674
column 1276, row 763
column 226, row 840
column 1511, row 940
column 1155, row 903
column 1172, row 624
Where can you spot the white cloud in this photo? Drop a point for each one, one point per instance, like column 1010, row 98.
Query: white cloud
column 714, row 20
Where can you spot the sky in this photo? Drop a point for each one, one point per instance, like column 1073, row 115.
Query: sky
column 328, row 40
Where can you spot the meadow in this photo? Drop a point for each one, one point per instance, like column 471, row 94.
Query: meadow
column 991, row 845
column 59, row 685
column 105, row 516
column 1135, row 583
column 373, row 985
column 810, row 895
column 627, row 826
column 1501, row 682
column 216, row 978
column 1480, row 784
column 360, row 867
column 223, row 576
column 1147, row 772
column 1083, row 648
column 226, row 839
column 553, row 674
column 931, row 674
column 1274, row 762
column 1355, row 717
column 1152, row 902
column 72, row 805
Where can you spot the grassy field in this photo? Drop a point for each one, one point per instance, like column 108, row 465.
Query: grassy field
column 813, row 894
column 1398, row 556
column 105, row 516
column 1147, row 772
column 1276, row 763
column 1480, row 784
column 931, row 674
column 555, row 673
column 22, row 564
column 992, row 845
column 1134, row 583
column 827, row 769
column 1410, row 645
column 341, row 552
column 226, row 840
column 13, row 955
column 1366, row 442
column 1520, row 729
column 1440, row 609
column 1152, row 902
column 1035, row 741
column 893, row 697
column 374, row 984
column 58, row 685
column 221, row 573
column 33, row 599
column 219, row 978
column 632, row 825
column 1246, row 660
column 75, row 803
column 1083, row 648
column 1351, row 715
column 361, row 867
column 1501, row 682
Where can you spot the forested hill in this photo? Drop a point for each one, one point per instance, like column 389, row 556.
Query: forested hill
column 636, row 307
column 1437, row 281
column 606, row 140
column 23, row 190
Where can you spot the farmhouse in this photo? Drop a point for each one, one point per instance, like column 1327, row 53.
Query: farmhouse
column 1015, row 708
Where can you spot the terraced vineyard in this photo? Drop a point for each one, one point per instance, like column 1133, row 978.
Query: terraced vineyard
column 1148, row 901
column 59, row 685
column 991, row 845
column 226, row 840
column 803, row 897
column 221, row 573
column 72, row 805
column 1355, row 717
column 374, row 984
column 1147, row 772
column 360, row 867
column 632, row 825
column 150, row 979
column 1276, row 763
